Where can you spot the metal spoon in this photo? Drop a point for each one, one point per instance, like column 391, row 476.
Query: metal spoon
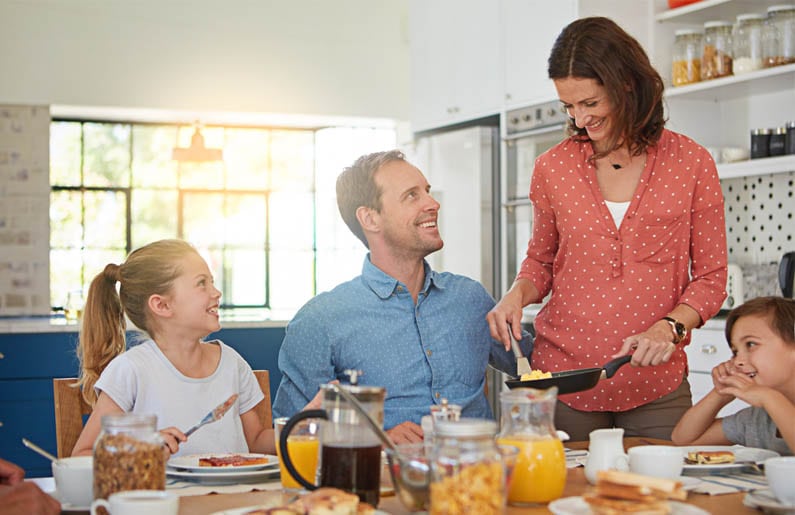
column 35, row 448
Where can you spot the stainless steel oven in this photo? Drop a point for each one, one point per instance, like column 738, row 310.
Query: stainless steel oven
column 529, row 132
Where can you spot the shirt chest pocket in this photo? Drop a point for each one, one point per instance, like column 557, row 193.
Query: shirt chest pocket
column 660, row 239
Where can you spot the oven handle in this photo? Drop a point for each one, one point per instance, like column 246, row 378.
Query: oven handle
column 535, row 132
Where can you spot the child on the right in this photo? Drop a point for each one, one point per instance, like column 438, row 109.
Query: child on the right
column 761, row 335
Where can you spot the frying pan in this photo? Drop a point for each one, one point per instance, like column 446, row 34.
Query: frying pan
column 571, row 381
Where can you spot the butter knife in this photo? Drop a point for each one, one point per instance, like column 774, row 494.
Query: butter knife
column 215, row 414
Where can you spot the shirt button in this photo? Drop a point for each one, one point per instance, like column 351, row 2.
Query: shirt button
column 399, row 288
column 438, row 395
column 429, row 352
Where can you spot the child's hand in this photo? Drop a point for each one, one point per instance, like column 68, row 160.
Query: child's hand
column 720, row 372
column 172, row 438
column 742, row 387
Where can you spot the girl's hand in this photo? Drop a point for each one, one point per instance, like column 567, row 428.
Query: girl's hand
column 652, row 347
column 743, row 387
column 172, row 438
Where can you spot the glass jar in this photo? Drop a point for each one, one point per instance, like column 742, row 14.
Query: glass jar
column 467, row 471
column 539, row 475
column 778, row 142
column 686, row 66
column 716, row 57
column 779, row 35
column 747, row 36
column 760, row 143
column 129, row 455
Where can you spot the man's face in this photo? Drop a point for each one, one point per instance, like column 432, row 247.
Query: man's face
column 408, row 217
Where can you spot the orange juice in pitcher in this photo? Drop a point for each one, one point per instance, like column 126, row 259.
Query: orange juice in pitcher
column 539, row 475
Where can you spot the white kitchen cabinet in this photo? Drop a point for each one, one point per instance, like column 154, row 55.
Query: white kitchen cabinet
column 456, row 61
column 707, row 349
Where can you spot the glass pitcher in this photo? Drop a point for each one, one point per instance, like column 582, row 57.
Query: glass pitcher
column 350, row 452
column 539, row 475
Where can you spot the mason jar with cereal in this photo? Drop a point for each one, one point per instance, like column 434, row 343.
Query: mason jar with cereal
column 469, row 471
column 128, row 455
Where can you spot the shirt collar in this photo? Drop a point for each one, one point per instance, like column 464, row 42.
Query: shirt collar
column 384, row 285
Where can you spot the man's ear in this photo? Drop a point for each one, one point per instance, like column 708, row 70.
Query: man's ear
column 368, row 218
column 158, row 305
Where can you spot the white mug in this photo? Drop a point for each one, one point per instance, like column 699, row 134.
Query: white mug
column 74, row 480
column 779, row 472
column 655, row 460
column 135, row 502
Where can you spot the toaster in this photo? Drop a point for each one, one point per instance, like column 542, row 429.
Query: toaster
column 734, row 288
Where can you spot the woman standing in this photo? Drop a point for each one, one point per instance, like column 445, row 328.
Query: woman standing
column 628, row 236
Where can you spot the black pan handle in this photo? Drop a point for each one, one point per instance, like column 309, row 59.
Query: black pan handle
column 612, row 366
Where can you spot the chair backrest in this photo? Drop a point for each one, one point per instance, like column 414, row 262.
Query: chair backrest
column 70, row 407
column 263, row 409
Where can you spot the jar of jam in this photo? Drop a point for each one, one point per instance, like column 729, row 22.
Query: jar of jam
column 129, row 455
column 469, row 471
column 779, row 35
column 686, row 65
column 716, row 57
column 747, row 36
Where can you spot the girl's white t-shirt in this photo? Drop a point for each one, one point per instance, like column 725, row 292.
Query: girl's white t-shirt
column 142, row 380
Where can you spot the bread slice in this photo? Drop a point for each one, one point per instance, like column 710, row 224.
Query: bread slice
column 710, row 457
column 232, row 460
column 327, row 501
column 640, row 485
column 608, row 506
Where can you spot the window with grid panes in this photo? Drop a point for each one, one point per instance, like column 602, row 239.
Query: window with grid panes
column 265, row 218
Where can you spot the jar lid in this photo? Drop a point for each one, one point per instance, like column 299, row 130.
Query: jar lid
column 780, row 7
column 780, row 130
column 687, row 32
column 466, row 427
column 750, row 16
column 717, row 23
column 790, row 125
column 760, row 132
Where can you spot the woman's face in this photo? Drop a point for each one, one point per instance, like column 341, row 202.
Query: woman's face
column 586, row 101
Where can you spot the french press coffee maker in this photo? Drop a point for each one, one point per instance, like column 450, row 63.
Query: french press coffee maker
column 350, row 452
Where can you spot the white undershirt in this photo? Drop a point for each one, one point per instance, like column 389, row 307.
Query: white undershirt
column 617, row 210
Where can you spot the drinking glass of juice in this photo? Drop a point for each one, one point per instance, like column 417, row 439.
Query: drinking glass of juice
column 303, row 445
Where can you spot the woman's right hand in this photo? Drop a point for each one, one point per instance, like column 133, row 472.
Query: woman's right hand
column 507, row 312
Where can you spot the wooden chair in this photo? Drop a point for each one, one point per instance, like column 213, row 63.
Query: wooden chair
column 70, row 407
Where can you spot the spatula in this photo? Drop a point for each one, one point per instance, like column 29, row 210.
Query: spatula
column 522, row 364
column 215, row 414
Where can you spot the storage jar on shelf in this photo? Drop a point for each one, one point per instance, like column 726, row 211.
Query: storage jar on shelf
column 716, row 57
column 686, row 65
column 747, row 37
column 779, row 35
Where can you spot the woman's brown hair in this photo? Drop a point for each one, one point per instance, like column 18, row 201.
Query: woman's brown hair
column 149, row 270
column 597, row 48
column 779, row 311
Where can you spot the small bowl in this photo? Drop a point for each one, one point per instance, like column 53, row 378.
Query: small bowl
column 411, row 475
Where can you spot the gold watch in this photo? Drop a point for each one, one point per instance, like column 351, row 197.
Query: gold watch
column 679, row 329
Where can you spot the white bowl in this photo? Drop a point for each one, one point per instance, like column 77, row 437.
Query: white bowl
column 734, row 154
column 74, row 480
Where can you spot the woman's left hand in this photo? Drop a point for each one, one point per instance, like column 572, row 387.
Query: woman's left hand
column 652, row 347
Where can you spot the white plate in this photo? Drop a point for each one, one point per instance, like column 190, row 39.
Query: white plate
column 191, row 462
column 243, row 511
column 765, row 500
column 225, row 478
column 741, row 453
column 578, row 506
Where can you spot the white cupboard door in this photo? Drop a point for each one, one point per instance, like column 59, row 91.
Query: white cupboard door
column 528, row 31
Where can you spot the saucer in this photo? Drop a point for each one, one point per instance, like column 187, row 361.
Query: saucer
column 764, row 500
column 65, row 506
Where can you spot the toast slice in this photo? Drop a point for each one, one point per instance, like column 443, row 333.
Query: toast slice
column 631, row 486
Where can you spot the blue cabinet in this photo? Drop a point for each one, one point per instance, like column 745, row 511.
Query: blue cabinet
column 30, row 361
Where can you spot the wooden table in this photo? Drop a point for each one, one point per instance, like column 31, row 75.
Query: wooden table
column 576, row 484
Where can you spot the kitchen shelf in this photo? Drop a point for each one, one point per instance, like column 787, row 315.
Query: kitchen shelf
column 765, row 80
column 764, row 166
column 707, row 10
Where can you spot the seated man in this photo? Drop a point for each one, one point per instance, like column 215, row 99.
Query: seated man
column 420, row 334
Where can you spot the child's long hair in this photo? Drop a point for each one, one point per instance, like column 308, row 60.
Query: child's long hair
column 149, row 270
column 781, row 312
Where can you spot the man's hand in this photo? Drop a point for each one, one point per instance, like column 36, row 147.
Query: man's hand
column 406, row 432
column 24, row 498
column 10, row 473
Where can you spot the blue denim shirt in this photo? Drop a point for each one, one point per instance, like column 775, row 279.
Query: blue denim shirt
column 421, row 353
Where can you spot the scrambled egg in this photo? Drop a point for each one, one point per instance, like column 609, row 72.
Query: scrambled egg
column 535, row 374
